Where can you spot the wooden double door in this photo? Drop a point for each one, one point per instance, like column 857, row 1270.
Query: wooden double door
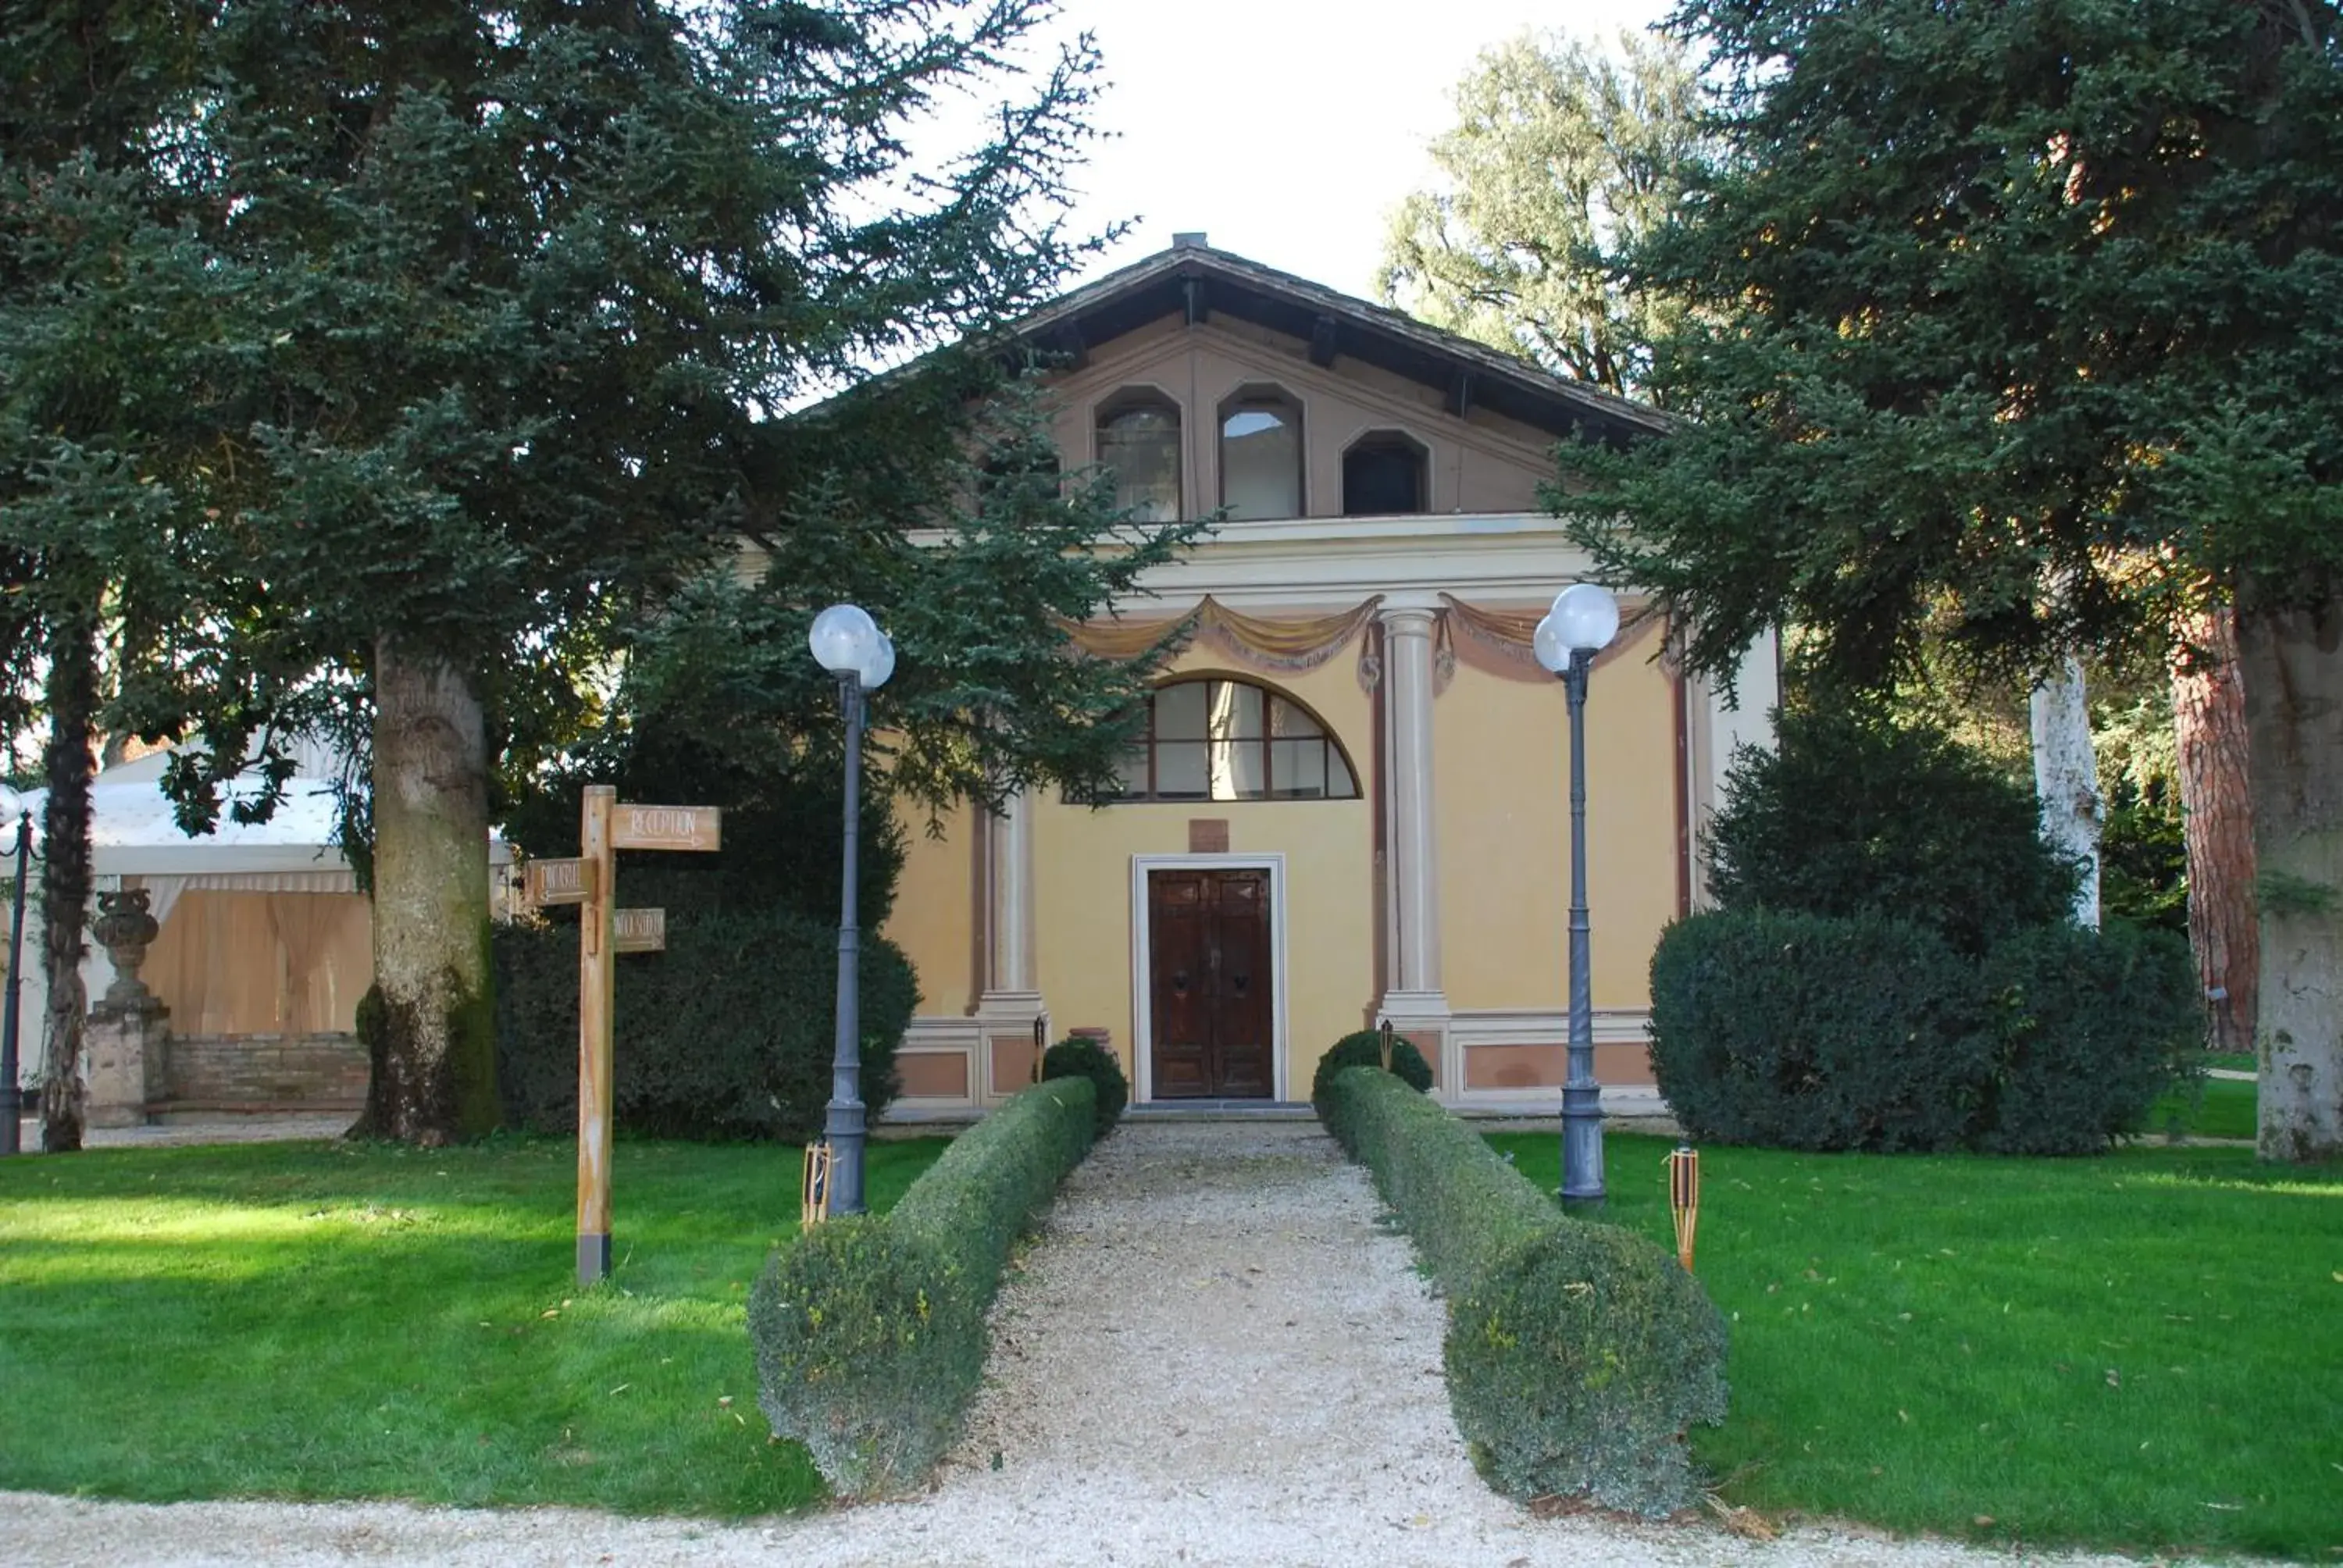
column 1209, row 976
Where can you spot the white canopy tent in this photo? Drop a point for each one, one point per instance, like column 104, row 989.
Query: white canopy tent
column 136, row 842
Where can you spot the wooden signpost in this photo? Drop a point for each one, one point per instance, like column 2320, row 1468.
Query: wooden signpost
column 604, row 931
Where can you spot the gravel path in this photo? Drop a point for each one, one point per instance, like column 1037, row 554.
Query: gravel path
column 1217, row 1355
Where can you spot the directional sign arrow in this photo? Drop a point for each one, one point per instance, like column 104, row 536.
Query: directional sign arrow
column 667, row 827
column 556, row 881
column 639, row 930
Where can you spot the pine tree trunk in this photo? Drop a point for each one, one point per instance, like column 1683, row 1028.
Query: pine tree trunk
column 2291, row 660
column 2066, row 779
column 2208, row 716
column 429, row 1021
column 72, row 696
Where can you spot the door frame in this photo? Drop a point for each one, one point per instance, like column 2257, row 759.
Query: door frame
column 1142, row 990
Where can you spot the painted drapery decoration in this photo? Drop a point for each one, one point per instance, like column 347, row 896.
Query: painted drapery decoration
column 1288, row 645
column 1285, row 644
column 1511, row 633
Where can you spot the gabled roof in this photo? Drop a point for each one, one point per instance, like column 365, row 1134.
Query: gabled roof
column 1200, row 282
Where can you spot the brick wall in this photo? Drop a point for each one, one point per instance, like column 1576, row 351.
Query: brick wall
column 329, row 1070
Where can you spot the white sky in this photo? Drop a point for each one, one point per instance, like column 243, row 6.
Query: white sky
column 1287, row 130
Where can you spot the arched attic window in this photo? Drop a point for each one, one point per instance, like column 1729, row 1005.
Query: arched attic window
column 1385, row 474
column 1217, row 738
column 1261, row 454
column 1139, row 440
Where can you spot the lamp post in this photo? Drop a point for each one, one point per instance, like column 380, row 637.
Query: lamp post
column 1582, row 623
column 12, row 1100
column 848, row 644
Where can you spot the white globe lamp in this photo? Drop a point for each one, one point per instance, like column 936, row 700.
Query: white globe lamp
column 1547, row 641
column 844, row 639
column 1586, row 618
column 881, row 664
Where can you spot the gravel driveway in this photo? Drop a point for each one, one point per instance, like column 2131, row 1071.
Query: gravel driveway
column 1217, row 1355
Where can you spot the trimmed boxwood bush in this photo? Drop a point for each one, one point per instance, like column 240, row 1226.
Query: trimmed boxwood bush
column 1576, row 1354
column 1365, row 1048
column 1855, row 810
column 1801, row 1032
column 728, row 1033
column 2087, row 1029
column 1077, row 1056
column 1805, row 1032
column 870, row 1330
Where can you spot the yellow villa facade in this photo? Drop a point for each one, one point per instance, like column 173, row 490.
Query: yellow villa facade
column 1353, row 801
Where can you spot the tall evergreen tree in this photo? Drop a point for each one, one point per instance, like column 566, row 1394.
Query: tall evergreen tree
column 106, row 342
column 1562, row 157
column 2025, row 316
column 505, row 290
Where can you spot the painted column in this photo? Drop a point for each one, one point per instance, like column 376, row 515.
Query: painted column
column 1010, row 917
column 1413, row 1000
column 1011, row 1003
column 1415, row 850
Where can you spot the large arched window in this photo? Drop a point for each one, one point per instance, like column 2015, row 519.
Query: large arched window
column 1139, row 440
column 1385, row 474
column 1260, row 455
column 1220, row 739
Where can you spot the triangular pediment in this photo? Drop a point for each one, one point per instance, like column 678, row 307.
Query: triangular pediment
column 1199, row 284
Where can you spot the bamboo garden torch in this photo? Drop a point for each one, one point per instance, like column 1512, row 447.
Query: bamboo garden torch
column 1683, row 1199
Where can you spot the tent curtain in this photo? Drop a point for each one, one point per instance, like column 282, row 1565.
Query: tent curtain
column 163, row 891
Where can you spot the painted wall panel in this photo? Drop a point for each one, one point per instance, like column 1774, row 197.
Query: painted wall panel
column 936, row 912
column 1548, row 1066
column 1502, row 792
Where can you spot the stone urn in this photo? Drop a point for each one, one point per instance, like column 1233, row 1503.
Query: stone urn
column 125, row 930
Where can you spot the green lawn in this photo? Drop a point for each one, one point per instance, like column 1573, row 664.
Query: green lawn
column 2216, row 1108
column 2142, row 1352
column 306, row 1319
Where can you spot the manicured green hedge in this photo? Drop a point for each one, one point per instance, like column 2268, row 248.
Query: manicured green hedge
column 870, row 1330
column 2087, row 1030
column 728, row 1033
column 1812, row 1031
column 1077, row 1056
column 1365, row 1048
column 1576, row 1353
